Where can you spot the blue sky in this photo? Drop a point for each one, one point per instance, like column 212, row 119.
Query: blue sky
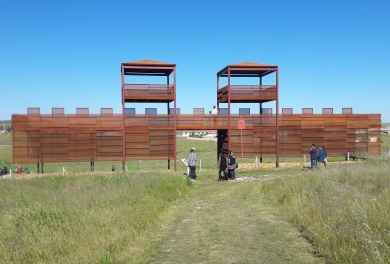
column 68, row 53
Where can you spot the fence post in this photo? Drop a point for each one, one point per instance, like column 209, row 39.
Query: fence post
column 304, row 161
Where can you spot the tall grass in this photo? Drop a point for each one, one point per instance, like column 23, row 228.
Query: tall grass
column 344, row 210
column 83, row 219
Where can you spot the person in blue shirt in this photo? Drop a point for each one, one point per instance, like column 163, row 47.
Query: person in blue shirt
column 322, row 155
column 232, row 165
column 313, row 156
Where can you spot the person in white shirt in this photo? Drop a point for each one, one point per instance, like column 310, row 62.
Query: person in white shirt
column 215, row 110
column 192, row 164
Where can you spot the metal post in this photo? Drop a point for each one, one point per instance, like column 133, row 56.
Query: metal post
column 174, row 132
column 229, row 124
column 174, row 120
column 123, row 121
column 277, row 119
column 242, row 149
column 261, row 122
column 218, row 134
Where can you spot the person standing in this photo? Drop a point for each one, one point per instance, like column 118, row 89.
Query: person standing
column 222, row 167
column 313, row 156
column 326, row 156
column 321, row 156
column 215, row 111
column 232, row 165
column 192, row 164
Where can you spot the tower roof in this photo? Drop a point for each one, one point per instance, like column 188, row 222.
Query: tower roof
column 147, row 62
column 250, row 64
column 148, row 67
column 247, row 69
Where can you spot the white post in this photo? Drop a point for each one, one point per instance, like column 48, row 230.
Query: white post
column 125, row 167
column 64, row 172
column 348, row 157
column 200, row 164
column 257, row 163
column 140, row 162
column 186, row 163
column 304, row 161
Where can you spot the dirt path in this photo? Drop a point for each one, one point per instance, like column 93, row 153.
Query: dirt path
column 224, row 222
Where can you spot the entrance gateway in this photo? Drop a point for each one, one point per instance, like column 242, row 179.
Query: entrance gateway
column 59, row 137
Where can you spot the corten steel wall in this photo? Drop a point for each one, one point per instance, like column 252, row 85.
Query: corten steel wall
column 149, row 137
column 358, row 134
column 83, row 137
column 55, row 138
column 67, row 138
column 248, row 93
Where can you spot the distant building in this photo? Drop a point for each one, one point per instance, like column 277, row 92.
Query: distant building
column 200, row 133
column 385, row 130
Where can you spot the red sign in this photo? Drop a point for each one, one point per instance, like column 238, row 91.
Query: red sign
column 241, row 124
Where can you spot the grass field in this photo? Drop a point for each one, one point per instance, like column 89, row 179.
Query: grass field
column 343, row 210
column 81, row 219
column 151, row 215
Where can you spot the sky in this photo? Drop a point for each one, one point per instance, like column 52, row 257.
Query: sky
column 68, row 53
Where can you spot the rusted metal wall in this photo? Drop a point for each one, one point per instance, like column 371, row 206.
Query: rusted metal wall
column 149, row 137
column 358, row 134
column 84, row 137
column 248, row 93
column 50, row 138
